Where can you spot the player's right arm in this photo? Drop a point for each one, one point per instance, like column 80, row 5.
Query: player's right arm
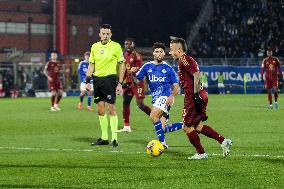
column 46, row 71
column 90, row 70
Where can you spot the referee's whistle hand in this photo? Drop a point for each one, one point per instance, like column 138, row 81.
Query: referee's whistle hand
column 119, row 89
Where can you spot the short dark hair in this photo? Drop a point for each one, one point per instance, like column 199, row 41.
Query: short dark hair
column 105, row 26
column 180, row 41
column 130, row 39
column 54, row 51
column 159, row 45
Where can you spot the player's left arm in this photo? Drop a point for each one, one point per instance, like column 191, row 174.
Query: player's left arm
column 197, row 82
column 198, row 101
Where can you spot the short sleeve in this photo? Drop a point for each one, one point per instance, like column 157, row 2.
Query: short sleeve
column 141, row 73
column 173, row 76
column 119, row 54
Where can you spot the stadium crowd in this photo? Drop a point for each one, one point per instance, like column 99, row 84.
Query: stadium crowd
column 243, row 28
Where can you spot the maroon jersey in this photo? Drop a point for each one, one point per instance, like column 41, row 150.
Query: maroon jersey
column 53, row 69
column 272, row 67
column 132, row 59
column 186, row 68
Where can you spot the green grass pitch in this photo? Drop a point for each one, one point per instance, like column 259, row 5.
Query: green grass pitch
column 43, row 149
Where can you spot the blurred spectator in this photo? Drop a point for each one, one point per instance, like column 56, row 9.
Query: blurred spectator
column 29, row 89
column 8, row 82
column 241, row 27
column 204, row 80
column 221, row 86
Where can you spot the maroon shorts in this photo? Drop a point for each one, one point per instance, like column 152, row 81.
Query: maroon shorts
column 137, row 91
column 269, row 84
column 55, row 85
column 192, row 117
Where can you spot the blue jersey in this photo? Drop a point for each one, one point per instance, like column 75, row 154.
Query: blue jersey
column 82, row 70
column 160, row 78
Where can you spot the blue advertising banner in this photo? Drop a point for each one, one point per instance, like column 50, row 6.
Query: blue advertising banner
column 237, row 79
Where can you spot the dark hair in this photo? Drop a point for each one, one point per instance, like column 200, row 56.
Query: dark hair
column 180, row 41
column 54, row 51
column 87, row 53
column 159, row 45
column 105, row 26
column 130, row 39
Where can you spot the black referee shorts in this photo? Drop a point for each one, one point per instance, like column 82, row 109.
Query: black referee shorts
column 105, row 89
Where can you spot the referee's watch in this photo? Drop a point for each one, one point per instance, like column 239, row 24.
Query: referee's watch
column 88, row 79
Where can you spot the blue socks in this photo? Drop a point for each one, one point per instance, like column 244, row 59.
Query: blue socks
column 89, row 100
column 159, row 131
column 173, row 127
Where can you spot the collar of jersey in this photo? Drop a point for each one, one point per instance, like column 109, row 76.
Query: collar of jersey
column 106, row 43
column 153, row 62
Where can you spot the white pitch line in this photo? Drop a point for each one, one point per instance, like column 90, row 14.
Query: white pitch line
column 120, row 151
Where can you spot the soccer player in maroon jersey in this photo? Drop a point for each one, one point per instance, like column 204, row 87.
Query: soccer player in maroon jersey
column 195, row 102
column 52, row 71
column 133, row 61
column 273, row 77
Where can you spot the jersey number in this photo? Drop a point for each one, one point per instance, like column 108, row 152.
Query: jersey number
column 139, row 90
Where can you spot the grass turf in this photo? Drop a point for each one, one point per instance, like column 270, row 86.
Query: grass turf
column 43, row 149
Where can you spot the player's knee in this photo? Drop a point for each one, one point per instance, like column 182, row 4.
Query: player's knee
column 198, row 128
column 53, row 93
column 82, row 93
column 188, row 129
column 154, row 117
column 59, row 93
column 90, row 93
column 111, row 110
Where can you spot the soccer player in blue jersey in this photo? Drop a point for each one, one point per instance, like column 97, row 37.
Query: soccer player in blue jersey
column 163, row 83
column 82, row 69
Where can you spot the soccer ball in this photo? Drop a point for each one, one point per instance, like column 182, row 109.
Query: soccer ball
column 155, row 148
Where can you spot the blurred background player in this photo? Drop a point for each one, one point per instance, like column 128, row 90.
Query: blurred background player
column 164, row 86
column 133, row 62
column 204, row 80
column 52, row 71
column 273, row 77
column 195, row 102
column 82, row 70
column 221, row 86
column 104, row 58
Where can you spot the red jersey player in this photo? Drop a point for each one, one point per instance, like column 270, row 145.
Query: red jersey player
column 52, row 71
column 133, row 62
column 195, row 101
column 272, row 68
